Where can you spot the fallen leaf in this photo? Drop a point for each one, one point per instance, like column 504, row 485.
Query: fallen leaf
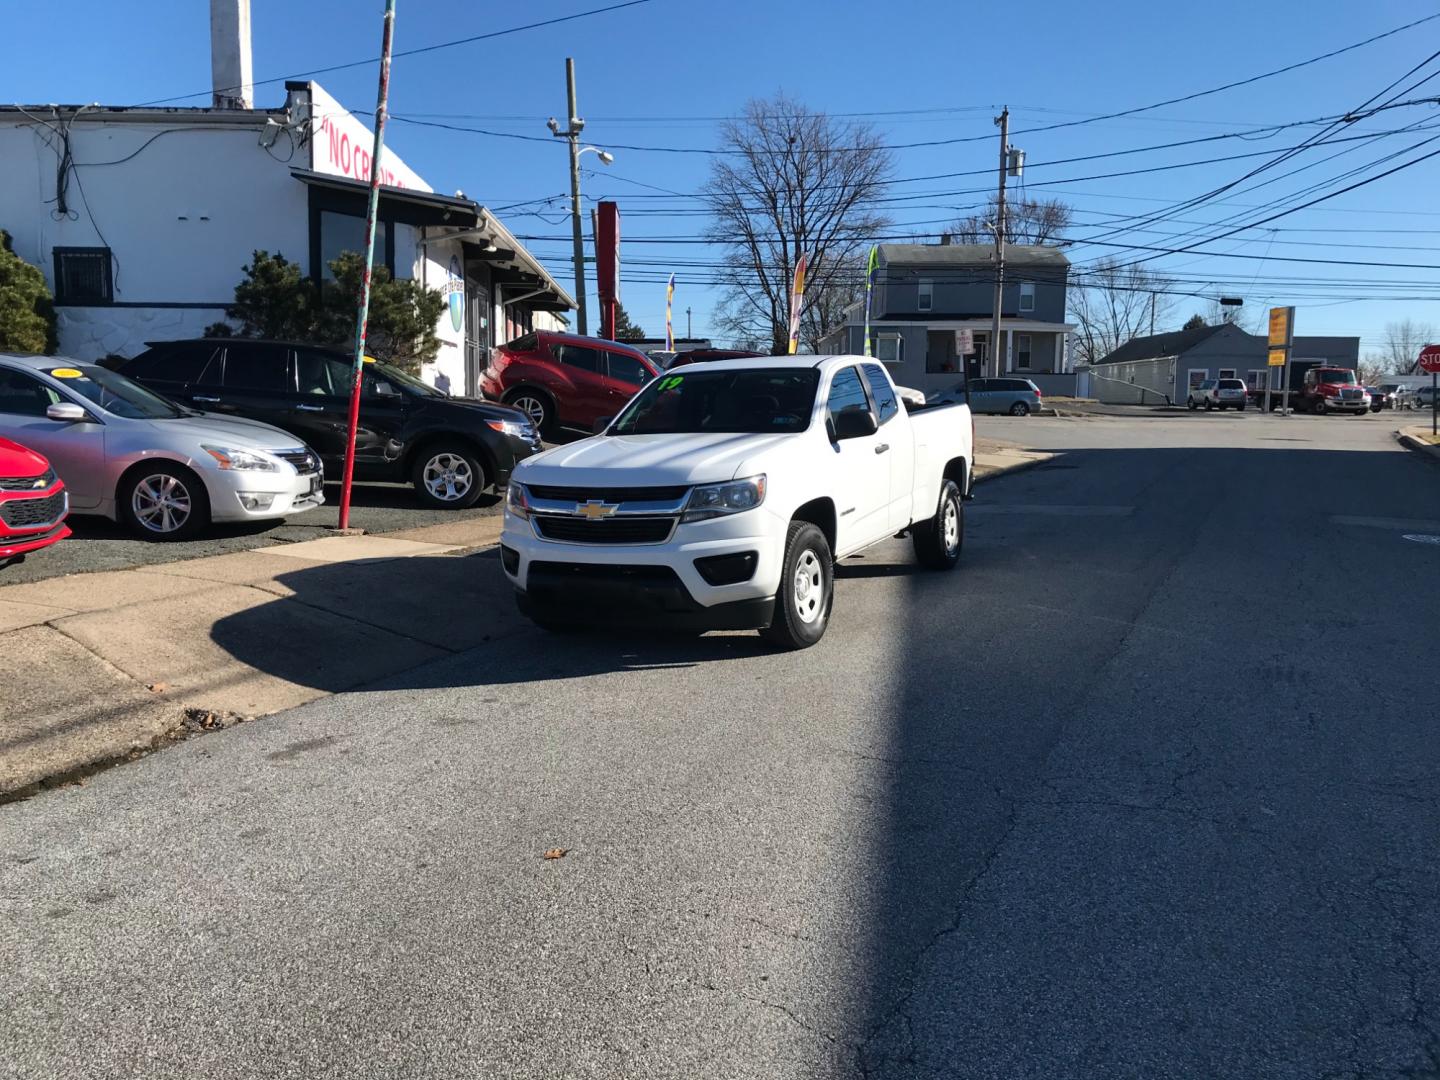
column 158, row 687
column 557, row 853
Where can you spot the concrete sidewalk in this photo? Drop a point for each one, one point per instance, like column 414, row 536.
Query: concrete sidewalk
column 103, row 667
column 1419, row 439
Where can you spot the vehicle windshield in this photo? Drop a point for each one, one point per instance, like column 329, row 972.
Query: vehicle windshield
column 1344, row 377
column 752, row 401
column 393, row 374
column 117, row 395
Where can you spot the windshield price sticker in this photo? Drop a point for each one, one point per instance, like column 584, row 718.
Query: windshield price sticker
column 670, row 383
column 66, row 373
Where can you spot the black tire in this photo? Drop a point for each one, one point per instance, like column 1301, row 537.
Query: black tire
column 163, row 501
column 537, row 405
column 933, row 548
column 807, row 553
column 1318, row 407
column 448, row 475
column 1020, row 408
column 1190, row 403
column 1240, row 407
column 1209, row 405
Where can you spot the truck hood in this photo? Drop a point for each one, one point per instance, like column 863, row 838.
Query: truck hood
column 648, row 460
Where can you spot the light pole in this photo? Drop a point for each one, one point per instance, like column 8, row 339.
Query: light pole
column 572, row 132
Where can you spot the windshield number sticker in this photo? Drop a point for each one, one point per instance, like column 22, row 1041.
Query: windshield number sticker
column 66, row 373
column 670, row 383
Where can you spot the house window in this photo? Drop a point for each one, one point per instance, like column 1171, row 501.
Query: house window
column 1027, row 296
column 926, row 300
column 82, row 276
column 889, row 348
column 1022, row 352
column 1227, row 373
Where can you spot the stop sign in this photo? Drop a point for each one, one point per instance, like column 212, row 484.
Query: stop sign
column 1430, row 358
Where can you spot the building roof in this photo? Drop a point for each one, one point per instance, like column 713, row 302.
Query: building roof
column 1157, row 345
column 970, row 255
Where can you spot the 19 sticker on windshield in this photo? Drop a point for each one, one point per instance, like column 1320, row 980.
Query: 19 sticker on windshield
column 66, row 373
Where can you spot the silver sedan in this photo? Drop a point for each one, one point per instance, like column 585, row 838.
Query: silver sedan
column 135, row 457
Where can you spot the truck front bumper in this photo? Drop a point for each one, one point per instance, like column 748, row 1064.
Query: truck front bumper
column 651, row 585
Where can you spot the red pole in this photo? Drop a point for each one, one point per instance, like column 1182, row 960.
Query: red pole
column 362, row 315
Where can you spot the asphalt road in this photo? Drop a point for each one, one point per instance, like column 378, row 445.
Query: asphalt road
column 1149, row 787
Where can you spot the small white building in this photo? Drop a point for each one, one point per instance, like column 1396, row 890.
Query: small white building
column 142, row 219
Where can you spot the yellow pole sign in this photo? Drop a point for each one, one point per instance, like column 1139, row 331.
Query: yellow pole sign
column 1282, row 334
column 1281, row 321
column 1277, row 357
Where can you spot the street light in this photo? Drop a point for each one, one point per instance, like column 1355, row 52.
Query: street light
column 572, row 132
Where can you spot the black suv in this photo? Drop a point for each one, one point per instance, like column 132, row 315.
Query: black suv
column 450, row 449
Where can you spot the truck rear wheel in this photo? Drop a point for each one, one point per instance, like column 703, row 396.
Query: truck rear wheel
column 938, row 540
column 807, row 586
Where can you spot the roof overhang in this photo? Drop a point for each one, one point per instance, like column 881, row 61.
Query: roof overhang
column 405, row 205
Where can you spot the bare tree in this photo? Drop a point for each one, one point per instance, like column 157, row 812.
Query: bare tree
column 1374, row 365
column 795, row 181
column 1403, row 342
column 1111, row 302
column 1027, row 221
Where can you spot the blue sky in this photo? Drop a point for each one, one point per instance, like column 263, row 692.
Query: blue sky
column 660, row 74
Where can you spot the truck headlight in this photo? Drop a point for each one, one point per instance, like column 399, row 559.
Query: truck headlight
column 717, row 500
column 517, row 500
column 241, row 460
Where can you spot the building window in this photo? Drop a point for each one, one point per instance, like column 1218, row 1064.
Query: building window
column 1022, row 352
column 82, row 276
column 344, row 232
column 1227, row 373
column 1027, row 296
column 1259, row 377
column 889, row 348
column 926, row 300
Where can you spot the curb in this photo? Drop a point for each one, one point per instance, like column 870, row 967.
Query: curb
column 996, row 471
column 1425, row 450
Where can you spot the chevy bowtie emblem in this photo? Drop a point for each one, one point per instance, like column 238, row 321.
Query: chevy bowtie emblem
column 40, row 482
column 594, row 509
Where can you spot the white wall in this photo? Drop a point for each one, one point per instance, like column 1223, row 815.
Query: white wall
column 432, row 266
column 182, row 216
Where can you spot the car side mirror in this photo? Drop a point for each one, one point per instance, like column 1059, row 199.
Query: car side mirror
column 67, row 412
column 855, row 424
column 601, row 424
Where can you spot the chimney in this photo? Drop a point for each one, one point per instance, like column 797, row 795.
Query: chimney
column 230, row 70
column 945, row 239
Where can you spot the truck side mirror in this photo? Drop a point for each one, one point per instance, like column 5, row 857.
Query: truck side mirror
column 855, row 424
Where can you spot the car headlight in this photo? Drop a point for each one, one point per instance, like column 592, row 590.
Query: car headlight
column 717, row 500
column 519, row 429
column 241, row 460
column 517, row 500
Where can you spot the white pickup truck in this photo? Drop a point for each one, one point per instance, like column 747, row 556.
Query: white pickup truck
column 723, row 493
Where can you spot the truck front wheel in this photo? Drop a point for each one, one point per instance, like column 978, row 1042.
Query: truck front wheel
column 938, row 540
column 807, row 585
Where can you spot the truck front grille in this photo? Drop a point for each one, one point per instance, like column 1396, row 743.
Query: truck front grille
column 607, row 495
column 617, row 530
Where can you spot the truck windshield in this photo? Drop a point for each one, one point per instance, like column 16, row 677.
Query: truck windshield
column 1344, row 376
column 753, row 400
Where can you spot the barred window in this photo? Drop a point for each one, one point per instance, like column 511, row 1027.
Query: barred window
column 82, row 276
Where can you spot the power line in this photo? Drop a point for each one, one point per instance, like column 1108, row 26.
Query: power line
column 421, row 50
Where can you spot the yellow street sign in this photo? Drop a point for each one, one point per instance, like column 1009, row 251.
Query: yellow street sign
column 1277, row 357
column 1281, row 319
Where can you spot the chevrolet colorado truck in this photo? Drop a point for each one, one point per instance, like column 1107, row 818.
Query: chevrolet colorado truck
column 723, row 493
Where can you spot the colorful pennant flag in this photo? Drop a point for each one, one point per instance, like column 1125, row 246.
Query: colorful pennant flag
column 797, row 297
column 870, row 269
column 669, row 303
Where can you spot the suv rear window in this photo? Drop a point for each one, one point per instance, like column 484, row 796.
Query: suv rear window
column 179, row 363
column 522, row 344
column 1231, row 384
column 577, row 356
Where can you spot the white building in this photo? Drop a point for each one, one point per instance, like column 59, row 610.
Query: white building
column 142, row 219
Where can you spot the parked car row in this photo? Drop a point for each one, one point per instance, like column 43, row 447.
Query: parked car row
column 194, row 432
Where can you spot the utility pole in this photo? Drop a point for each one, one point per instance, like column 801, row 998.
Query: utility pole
column 688, row 331
column 1152, row 314
column 572, row 132
column 997, row 359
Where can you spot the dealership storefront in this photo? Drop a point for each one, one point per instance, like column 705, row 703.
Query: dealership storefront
column 176, row 201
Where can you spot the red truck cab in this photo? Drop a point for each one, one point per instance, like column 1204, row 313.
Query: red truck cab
column 1334, row 389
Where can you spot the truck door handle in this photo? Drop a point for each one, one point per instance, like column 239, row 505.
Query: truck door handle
column 310, row 408
column 882, row 448
column 206, row 400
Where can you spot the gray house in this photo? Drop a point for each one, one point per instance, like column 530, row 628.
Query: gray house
column 1166, row 366
column 926, row 292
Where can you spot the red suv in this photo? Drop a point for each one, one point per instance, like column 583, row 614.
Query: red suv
column 33, row 503
column 565, row 379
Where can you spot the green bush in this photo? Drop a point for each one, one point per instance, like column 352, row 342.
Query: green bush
column 27, row 311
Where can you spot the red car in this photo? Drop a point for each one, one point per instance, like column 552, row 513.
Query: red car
column 33, row 503
column 565, row 380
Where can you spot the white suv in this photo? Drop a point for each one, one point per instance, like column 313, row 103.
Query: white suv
column 1218, row 394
